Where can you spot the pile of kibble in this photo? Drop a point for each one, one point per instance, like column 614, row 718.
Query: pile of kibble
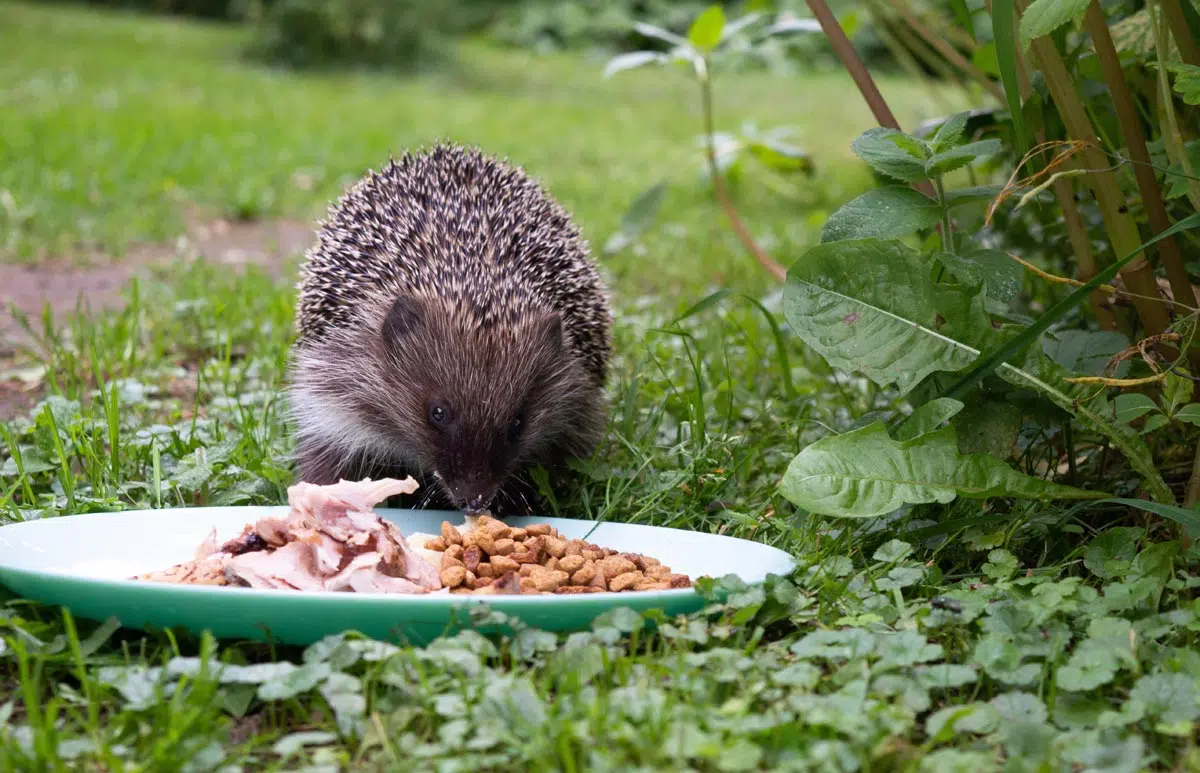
column 497, row 558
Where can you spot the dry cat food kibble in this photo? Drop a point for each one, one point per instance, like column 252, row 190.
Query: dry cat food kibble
column 491, row 557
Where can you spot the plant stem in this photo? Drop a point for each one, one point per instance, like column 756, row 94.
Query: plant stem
column 947, row 225
column 858, row 71
column 1135, row 141
column 850, row 60
column 1185, row 41
column 706, row 101
column 1120, row 225
column 1064, row 192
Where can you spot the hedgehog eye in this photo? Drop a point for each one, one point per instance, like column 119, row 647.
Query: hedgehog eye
column 439, row 414
column 514, row 429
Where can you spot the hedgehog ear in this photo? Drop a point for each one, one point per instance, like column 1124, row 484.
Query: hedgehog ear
column 403, row 318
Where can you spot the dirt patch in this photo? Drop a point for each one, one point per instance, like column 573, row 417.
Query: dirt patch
column 98, row 285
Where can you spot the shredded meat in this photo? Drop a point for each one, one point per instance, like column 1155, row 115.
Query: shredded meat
column 330, row 540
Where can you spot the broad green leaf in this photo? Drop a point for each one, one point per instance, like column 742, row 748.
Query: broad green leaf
column 1187, row 81
column 1173, row 697
column 1086, row 351
column 1134, row 34
column 705, row 32
column 882, row 213
column 950, row 132
column 295, row 682
column 985, row 59
column 1154, row 423
column 1189, row 413
column 1092, row 664
column 882, row 149
column 1177, row 390
column 956, row 158
column 733, row 28
column 652, row 31
column 999, row 274
column 1133, row 405
column 928, row 417
column 867, row 306
column 632, row 60
column 1045, row 16
column 865, row 473
column 795, row 25
column 1111, row 553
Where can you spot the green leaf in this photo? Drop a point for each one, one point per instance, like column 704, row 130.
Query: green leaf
column 1134, row 34
column 632, row 60
column 999, row 274
column 956, row 158
column 867, row 306
column 1177, row 390
column 950, row 132
column 1189, row 519
column 928, row 417
column 1086, row 351
column 1088, row 668
column 1045, row 16
column 705, row 32
column 1133, row 405
column 652, row 31
column 882, row 149
column 1187, row 81
column 1154, row 423
column 883, row 213
column 865, row 473
column 1110, row 555
column 1189, row 413
column 295, row 682
column 1172, row 697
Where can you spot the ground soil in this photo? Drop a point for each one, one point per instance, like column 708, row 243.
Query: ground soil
column 99, row 282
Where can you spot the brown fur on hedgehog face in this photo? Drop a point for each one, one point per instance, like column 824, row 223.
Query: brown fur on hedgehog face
column 475, row 404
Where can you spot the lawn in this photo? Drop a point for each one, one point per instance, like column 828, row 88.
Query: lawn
column 919, row 643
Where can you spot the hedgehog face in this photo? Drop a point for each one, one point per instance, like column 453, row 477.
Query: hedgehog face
column 477, row 403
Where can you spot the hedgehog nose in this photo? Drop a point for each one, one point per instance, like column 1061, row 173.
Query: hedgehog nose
column 477, row 504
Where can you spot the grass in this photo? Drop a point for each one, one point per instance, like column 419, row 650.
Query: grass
column 1032, row 642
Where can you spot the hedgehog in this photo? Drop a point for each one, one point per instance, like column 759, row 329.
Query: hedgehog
column 450, row 325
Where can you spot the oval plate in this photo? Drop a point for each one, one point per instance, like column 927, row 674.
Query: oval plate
column 82, row 562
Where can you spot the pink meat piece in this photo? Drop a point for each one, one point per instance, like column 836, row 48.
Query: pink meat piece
column 418, row 570
column 332, row 540
column 290, row 567
column 368, row 581
column 208, row 547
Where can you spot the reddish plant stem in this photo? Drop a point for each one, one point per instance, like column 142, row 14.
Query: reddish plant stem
column 858, row 71
column 735, row 221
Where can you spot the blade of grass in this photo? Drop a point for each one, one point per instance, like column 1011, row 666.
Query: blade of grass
column 1004, row 32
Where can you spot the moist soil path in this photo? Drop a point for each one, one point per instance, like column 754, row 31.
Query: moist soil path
column 100, row 284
